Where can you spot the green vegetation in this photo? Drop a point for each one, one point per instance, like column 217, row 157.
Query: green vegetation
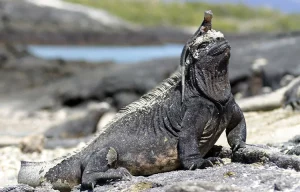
column 230, row 17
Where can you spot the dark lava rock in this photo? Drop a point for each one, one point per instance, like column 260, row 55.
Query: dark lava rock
column 65, row 143
column 242, row 177
column 295, row 140
column 133, row 80
column 274, row 56
column 291, row 147
column 117, row 84
column 294, row 151
column 22, row 15
column 29, row 22
column 200, row 186
column 63, row 83
column 20, row 71
column 79, row 127
column 230, row 177
column 26, row 188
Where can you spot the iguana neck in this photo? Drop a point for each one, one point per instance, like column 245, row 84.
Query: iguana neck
column 212, row 83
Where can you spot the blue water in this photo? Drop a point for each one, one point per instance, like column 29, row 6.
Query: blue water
column 118, row 54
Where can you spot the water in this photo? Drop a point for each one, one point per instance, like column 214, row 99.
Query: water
column 118, row 54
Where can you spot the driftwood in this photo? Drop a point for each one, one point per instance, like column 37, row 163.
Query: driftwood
column 271, row 100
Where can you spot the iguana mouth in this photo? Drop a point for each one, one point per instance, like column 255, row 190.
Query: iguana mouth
column 227, row 52
column 221, row 68
column 224, row 61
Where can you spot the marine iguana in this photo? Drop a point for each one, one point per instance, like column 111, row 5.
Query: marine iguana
column 159, row 132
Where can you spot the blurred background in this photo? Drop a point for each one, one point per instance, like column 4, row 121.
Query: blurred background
column 133, row 22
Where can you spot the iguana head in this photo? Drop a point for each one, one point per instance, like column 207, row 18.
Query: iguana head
column 184, row 60
column 207, row 70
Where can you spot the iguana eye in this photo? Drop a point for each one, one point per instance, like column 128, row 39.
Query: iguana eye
column 203, row 45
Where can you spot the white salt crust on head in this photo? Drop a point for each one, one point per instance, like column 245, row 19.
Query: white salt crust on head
column 209, row 36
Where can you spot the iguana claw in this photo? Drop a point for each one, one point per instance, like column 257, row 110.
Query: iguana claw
column 238, row 146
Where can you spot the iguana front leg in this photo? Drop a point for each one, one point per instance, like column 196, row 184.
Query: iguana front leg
column 193, row 124
column 236, row 131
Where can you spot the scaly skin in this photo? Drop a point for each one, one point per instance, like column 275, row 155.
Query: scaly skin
column 160, row 132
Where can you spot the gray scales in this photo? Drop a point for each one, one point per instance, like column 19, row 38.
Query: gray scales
column 165, row 130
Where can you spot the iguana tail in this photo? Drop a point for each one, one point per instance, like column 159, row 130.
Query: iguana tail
column 32, row 173
column 62, row 173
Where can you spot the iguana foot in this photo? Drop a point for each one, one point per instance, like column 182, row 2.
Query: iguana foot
column 201, row 163
column 92, row 178
column 100, row 167
column 237, row 146
column 215, row 160
column 126, row 176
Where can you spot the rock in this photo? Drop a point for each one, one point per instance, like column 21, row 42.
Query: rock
column 116, row 84
column 294, row 151
column 33, row 143
column 43, row 84
column 66, row 143
column 200, row 186
column 248, row 177
column 121, row 99
column 267, row 55
column 60, row 22
column 28, row 72
column 53, row 85
column 133, row 80
column 18, row 188
column 76, row 127
column 9, row 141
column 295, row 140
column 282, row 185
column 105, row 120
column 141, row 186
column 56, row 16
column 27, row 188
column 254, row 154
